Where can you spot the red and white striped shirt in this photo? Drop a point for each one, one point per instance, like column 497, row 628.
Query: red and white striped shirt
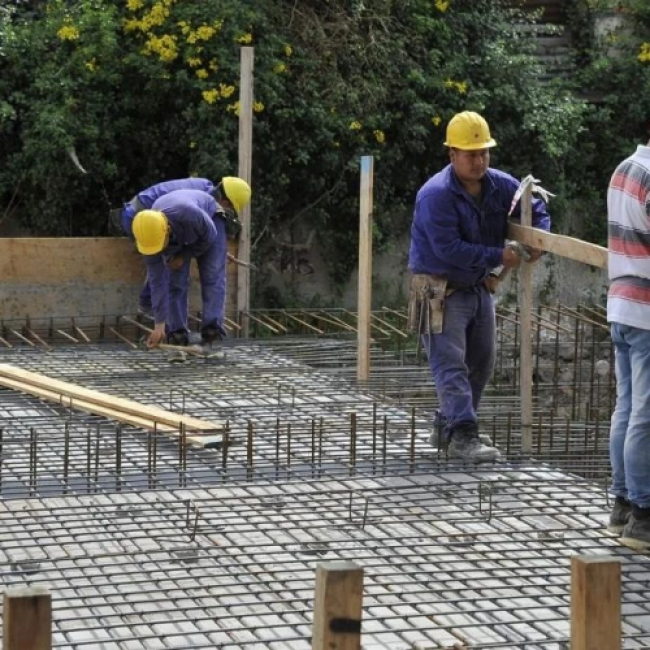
column 628, row 208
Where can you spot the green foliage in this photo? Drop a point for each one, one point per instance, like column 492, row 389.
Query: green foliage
column 143, row 90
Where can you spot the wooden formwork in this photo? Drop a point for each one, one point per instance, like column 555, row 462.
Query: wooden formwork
column 80, row 276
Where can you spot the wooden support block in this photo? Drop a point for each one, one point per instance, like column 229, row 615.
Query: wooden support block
column 595, row 603
column 27, row 619
column 364, row 293
column 338, row 606
column 569, row 247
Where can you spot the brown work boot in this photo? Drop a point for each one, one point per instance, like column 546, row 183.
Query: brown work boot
column 620, row 515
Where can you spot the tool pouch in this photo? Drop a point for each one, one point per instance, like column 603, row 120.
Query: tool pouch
column 426, row 307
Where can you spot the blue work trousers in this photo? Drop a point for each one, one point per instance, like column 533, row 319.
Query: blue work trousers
column 629, row 439
column 212, row 275
column 462, row 356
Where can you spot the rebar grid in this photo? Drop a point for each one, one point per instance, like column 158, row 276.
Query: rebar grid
column 476, row 558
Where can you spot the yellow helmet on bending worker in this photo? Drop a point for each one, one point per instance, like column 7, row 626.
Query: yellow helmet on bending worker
column 469, row 131
column 151, row 231
column 237, row 191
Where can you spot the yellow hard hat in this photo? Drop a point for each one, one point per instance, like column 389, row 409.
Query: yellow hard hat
column 237, row 191
column 150, row 229
column 468, row 131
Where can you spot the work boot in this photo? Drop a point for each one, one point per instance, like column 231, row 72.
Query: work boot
column 177, row 338
column 636, row 533
column 619, row 516
column 467, row 445
column 211, row 339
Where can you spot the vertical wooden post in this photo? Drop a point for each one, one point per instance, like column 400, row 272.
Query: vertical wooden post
column 337, row 607
column 245, row 168
column 364, row 299
column 595, row 603
column 526, row 340
column 27, row 619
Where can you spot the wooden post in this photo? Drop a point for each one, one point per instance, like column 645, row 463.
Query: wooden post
column 364, row 299
column 338, row 606
column 526, row 341
column 595, row 603
column 245, row 167
column 27, row 619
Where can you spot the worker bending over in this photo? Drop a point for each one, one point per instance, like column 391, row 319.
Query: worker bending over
column 457, row 239
column 180, row 226
column 231, row 193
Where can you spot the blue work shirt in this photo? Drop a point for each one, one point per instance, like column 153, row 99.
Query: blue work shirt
column 149, row 196
column 192, row 231
column 460, row 237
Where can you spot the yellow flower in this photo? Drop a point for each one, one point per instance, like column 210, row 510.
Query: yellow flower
column 185, row 28
column 258, row 107
column 205, row 32
column 210, row 96
column 279, row 68
column 449, row 83
column 213, row 65
column 131, row 25
column 226, row 91
column 288, row 50
column 165, row 47
column 193, row 62
column 441, row 5
column 134, row 5
column 436, row 120
column 192, row 145
column 68, row 33
column 91, row 65
column 644, row 53
column 355, row 126
column 380, row 136
column 201, row 73
column 461, row 87
column 233, row 108
column 217, row 24
column 245, row 39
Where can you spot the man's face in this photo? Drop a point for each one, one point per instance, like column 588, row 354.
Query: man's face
column 470, row 165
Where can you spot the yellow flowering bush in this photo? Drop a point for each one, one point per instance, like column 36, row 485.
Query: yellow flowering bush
column 644, row 53
column 68, row 33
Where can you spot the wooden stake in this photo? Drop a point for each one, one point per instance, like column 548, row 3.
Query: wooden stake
column 526, row 340
column 338, row 606
column 245, row 168
column 364, row 299
column 27, row 619
column 595, row 603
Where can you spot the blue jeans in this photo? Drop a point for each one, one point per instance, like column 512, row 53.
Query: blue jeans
column 462, row 356
column 629, row 439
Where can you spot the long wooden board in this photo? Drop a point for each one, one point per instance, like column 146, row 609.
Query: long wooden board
column 198, row 432
column 562, row 245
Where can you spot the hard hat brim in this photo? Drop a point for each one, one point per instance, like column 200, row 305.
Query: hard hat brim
column 149, row 250
column 473, row 147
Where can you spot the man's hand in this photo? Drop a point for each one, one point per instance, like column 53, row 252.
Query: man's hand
column 535, row 253
column 510, row 259
column 492, row 283
column 176, row 262
column 157, row 335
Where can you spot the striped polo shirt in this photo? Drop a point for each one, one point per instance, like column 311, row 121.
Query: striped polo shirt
column 628, row 208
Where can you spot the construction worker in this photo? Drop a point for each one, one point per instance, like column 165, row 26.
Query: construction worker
column 457, row 239
column 628, row 311
column 181, row 225
column 231, row 193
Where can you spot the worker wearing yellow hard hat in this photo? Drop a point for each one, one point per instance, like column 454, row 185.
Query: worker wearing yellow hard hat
column 231, row 193
column 182, row 225
column 457, row 241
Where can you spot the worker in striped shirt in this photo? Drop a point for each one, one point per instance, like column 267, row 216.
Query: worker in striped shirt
column 628, row 311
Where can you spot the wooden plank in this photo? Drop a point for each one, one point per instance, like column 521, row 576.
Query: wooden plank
column 27, row 619
column 202, row 440
column 338, row 606
column 595, row 603
column 526, row 328
column 569, row 247
column 247, row 59
column 364, row 297
column 119, row 404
